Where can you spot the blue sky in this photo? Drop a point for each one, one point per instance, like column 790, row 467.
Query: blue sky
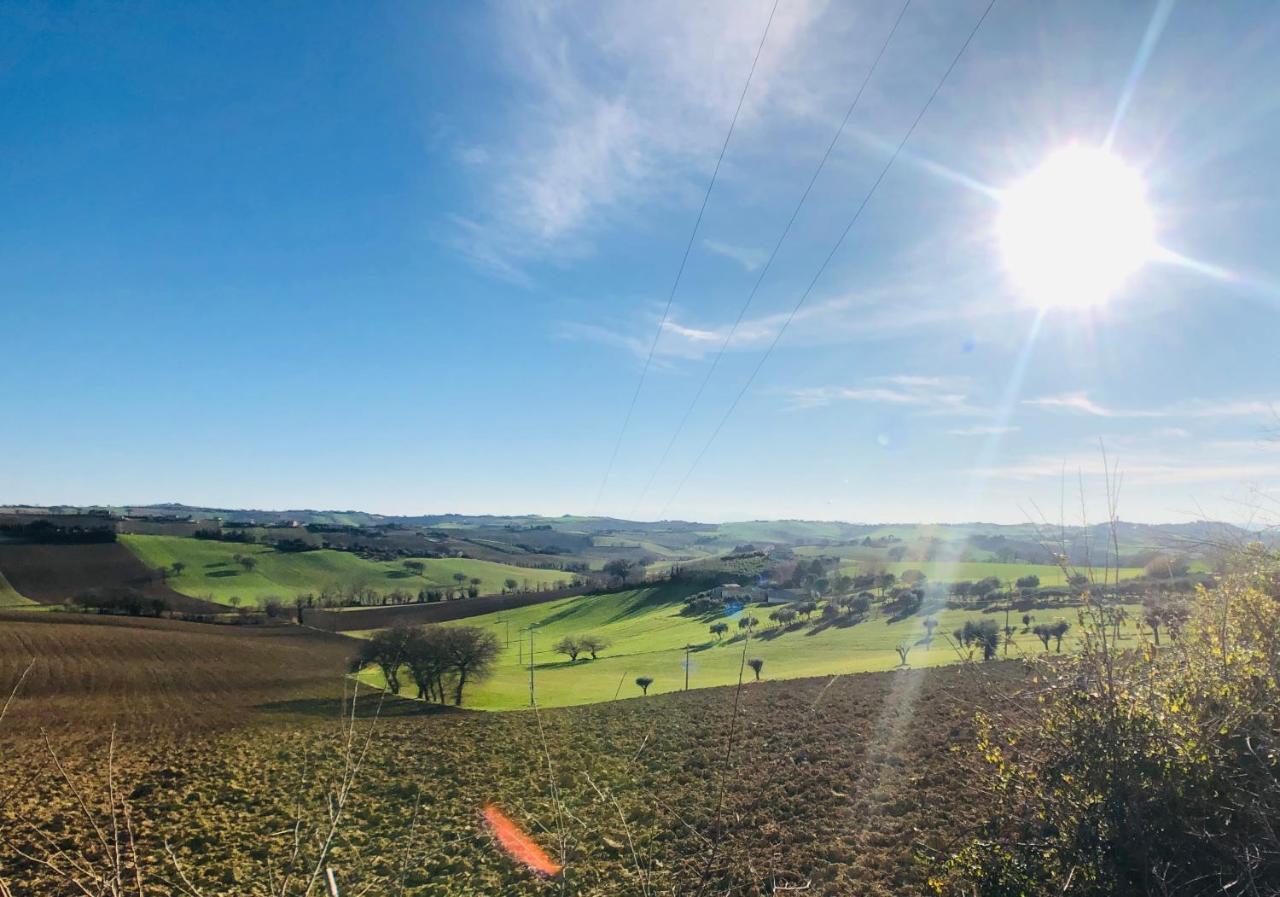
column 409, row 258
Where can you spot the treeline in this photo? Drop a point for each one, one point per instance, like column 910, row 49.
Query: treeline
column 120, row 600
column 44, row 532
column 438, row 660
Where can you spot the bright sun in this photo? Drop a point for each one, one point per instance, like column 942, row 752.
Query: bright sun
column 1075, row 228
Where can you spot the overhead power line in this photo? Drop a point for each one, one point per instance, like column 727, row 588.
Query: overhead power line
column 795, row 213
column 684, row 259
column 830, row 255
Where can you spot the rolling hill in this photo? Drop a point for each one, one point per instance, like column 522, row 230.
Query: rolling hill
column 211, row 571
column 648, row 631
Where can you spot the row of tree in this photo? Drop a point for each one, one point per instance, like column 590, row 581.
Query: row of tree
column 439, row 660
column 572, row 646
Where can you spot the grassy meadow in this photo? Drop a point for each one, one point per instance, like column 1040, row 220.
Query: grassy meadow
column 211, row 571
column 648, row 634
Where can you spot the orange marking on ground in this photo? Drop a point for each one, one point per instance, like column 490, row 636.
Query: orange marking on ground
column 519, row 846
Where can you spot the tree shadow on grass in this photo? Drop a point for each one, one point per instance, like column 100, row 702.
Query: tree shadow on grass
column 222, row 574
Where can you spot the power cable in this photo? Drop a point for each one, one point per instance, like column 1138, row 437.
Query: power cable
column 830, row 255
column 772, row 255
column 613, row 457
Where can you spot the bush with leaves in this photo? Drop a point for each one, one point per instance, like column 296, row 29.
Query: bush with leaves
column 1153, row 771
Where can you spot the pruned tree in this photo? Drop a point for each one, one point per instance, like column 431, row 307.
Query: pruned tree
column 593, row 644
column 644, row 682
column 1058, row 630
column 903, row 650
column 510, row 584
column 747, row 622
column 568, row 646
column 719, row 628
column 1044, row 633
column 756, row 664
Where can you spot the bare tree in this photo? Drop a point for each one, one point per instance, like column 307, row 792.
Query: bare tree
column 570, row 647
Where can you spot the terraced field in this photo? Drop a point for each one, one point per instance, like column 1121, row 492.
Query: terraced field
column 648, row 632
column 211, row 571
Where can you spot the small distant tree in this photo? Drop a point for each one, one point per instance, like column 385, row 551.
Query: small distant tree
column 1058, row 630
column 177, row 567
column 903, row 650
column 987, row 635
column 1044, row 633
column 1028, row 582
column 719, row 628
column 619, row 569
column 459, row 578
column 510, row 584
column 806, row 608
column 593, row 644
column 756, row 665
column 417, row 568
column 930, row 624
column 248, row 563
column 570, row 647
column 747, row 622
column 234, row 600
column 644, row 682
column 783, row 616
column 475, row 582
column 1026, row 622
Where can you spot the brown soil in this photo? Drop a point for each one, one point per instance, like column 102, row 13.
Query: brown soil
column 52, row 574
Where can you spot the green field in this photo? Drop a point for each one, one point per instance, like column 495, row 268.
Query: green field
column 648, row 635
column 212, row 573
column 9, row 597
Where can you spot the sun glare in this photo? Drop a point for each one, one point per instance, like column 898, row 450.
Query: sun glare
column 1075, row 229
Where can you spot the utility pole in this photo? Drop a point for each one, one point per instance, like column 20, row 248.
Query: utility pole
column 531, row 694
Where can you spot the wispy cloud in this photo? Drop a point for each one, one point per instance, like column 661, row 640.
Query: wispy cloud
column 749, row 259
column 615, row 104
column 1081, row 403
column 982, row 431
column 933, row 393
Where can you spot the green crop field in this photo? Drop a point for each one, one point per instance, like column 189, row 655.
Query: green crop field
column 10, row 598
column 211, row 571
column 648, row 633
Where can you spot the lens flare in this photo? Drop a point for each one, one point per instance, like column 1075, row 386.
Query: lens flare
column 518, row 845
